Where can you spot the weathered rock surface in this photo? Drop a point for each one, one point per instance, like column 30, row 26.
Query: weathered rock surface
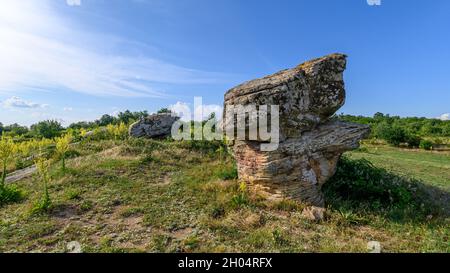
column 153, row 126
column 307, row 94
column 313, row 213
column 310, row 142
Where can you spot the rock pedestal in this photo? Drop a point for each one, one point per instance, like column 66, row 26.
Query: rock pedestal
column 311, row 142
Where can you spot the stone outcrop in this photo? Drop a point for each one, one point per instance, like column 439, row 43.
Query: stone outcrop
column 153, row 126
column 311, row 142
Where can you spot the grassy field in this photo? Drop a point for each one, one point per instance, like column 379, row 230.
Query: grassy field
column 164, row 196
column 430, row 166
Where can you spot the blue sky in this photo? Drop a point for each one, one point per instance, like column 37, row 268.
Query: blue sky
column 77, row 59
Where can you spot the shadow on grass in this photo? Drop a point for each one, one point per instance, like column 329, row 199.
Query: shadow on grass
column 360, row 187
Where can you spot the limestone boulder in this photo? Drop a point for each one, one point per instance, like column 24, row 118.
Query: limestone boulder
column 153, row 126
column 311, row 141
column 307, row 95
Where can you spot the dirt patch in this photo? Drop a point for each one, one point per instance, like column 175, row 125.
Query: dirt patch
column 181, row 234
column 65, row 211
column 116, row 153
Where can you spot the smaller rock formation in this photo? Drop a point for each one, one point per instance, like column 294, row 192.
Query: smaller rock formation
column 153, row 126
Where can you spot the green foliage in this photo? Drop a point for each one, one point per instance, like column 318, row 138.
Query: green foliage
column 178, row 194
column 359, row 181
column 241, row 198
column 7, row 149
column 164, row 110
column 62, row 146
column 395, row 134
column 426, row 144
column 119, row 131
column 47, row 129
column 392, row 134
column 122, row 117
column 280, row 238
column 412, row 140
column 14, row 130
column 10, row 194
column 227, row 173
column 203, row 145
column 105, row 120
column 44, row 203
column 127, row 117
column 411, row 125
column 349, row 218
column 72, row 194
column 82, row 125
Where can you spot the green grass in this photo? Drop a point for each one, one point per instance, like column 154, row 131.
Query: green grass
column 429, row 166
column 167, row 196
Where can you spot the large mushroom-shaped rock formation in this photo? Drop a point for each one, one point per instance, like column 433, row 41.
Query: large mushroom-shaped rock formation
column 153, row 126
column 311, row 142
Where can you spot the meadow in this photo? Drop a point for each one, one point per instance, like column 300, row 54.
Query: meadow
column 140, row 195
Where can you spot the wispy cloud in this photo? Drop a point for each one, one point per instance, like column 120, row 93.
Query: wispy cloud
column 201, row 112
column 445, row 116
column 73, row 2
column 42, row 50
column 16, row 102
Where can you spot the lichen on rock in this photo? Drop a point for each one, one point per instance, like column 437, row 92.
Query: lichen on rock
column 311, row 142
column 153, row 126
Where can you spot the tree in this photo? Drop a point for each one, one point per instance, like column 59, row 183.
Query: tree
column 82, row 125
column 15, row 130
column 1, row 128
column 446, row 129
column 164, row 110
column 105, row 120
column 378, row 116
column 125, row 117
column 140, row 114
column 47, row 129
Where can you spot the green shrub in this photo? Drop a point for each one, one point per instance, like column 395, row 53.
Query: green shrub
column 412, row 140
column 395, row 134
column 280, row 238
column 44, row 203
column 73, row 194
column 426, row 144
column 358, row 181
column 240, row 199
column 10, row 194
column 47, row 129
column 391, row 133
column 203, row 146
column 228, row 173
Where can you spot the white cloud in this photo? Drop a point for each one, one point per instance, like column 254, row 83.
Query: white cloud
column 445, row 116
column 184, row 110
column 67, row 109
column 73, row 2
column 16, row 102
column 41, row 49
column 208, row 109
